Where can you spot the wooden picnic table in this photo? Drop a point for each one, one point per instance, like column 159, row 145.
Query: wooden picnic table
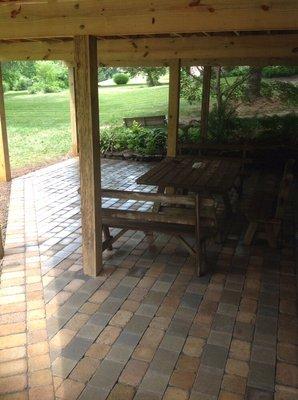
column 195, row 174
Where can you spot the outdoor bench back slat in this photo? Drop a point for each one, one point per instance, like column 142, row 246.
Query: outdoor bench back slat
column 150, row 121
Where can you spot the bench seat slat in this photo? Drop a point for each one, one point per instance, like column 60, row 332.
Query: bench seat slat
column 178, row 219
column 154, row 197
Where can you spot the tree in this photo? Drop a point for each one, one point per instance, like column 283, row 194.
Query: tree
column 152, row 74
column 254, row 83
column 13, row 71
column 105, row 73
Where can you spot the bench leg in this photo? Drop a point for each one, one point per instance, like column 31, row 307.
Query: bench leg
column 271, row 235
column 250, row 233
column 107, row 236
column 201, row 260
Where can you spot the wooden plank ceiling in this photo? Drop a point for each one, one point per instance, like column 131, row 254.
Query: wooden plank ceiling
column 142, row 32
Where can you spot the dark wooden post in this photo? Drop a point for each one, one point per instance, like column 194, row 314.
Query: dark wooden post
column 205, row 102
column 72, row 109
column 86, row 96
column 174, row 106
column 5, row 172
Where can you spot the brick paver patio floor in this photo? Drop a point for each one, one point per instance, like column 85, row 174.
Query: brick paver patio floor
column 147, row 327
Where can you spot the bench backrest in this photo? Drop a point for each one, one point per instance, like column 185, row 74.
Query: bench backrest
column 204, row 212
column 157, row 120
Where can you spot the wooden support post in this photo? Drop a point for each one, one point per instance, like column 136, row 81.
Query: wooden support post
column 174, row 106
column 86, row 89
column 5, row 173
column 1, row 244
column 73, row 117
column 205, row 102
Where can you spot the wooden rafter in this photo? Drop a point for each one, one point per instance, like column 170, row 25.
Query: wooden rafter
column 193, row 50
column 20, row 19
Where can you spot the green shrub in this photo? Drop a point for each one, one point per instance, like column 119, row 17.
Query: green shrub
column 238, row 71
column 22, row 83
column 121, row 79
column 257, row 130
column 279, row 71
column 138, row 139
column 51, row 77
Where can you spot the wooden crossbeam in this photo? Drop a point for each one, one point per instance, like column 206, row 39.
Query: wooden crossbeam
column 213, row 50
column 21, row 19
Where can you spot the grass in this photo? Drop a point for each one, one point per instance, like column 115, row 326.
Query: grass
column 39, row 128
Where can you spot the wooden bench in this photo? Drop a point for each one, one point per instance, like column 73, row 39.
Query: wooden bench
column 266, row 210
column 177, row 215
column 150, row 121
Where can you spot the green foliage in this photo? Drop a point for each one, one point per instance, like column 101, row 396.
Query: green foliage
column 251, row 130
column 50, row 77
column 285, row 92
column 238, row 71
column 23, row 83
column 221, row 122
column 121, row 79
column 267, row 130
column 191, row 87
column 279, row 71
column 267, row 72
column 105, row 73
column 152, row 74
column 13, row 71
column 138, row 139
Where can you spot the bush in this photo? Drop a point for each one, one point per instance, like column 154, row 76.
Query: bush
column 22, row 83
column 120, row 79
column 279, row 71
column 50, row 77
column 138, row 139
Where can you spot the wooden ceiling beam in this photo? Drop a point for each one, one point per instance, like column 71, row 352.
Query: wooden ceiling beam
column 212, row 50
column 27, row 19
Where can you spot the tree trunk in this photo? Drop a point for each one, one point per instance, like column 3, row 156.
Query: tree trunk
column 150, row 79
column 254, row 83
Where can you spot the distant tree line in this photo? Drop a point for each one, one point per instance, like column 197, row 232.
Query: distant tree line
column 52, row 76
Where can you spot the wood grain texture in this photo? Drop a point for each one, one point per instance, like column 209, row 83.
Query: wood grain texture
column 86, row 88
column 5, row 172
column 132, row 17
column 205, row 102
column 277, row 49
column 174, row 108
column 73, row 114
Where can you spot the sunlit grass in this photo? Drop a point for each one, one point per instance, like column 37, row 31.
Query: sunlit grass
column 39, row 128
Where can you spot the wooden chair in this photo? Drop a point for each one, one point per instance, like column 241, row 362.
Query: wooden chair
column 267, row 211
column 197, row 217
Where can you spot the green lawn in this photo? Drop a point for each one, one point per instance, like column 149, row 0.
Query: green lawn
column 38, row 125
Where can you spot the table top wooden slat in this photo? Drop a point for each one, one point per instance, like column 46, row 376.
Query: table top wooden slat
column 213, row 176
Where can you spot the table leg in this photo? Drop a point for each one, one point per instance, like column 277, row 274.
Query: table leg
column 227, row 203
column 156, row 206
